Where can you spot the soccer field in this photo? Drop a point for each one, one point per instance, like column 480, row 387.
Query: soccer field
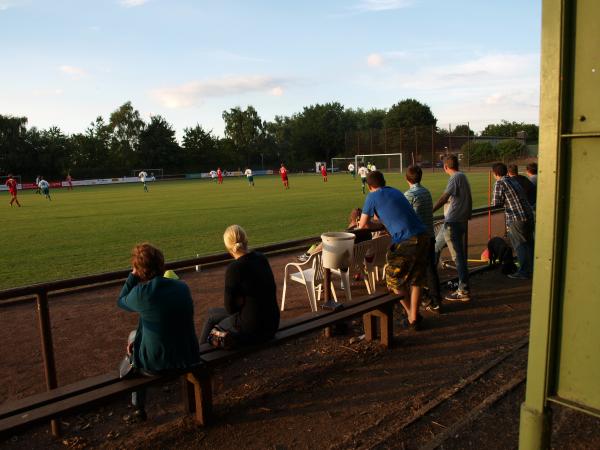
column 92, row 229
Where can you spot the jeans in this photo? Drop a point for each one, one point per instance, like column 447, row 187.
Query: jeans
column 520, row 233
column 453, row 234
column 433, row 280
column 138, row 397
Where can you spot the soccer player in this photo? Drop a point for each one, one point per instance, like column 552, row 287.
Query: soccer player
column 351, row 170
column 284, row 176
column 11, row 184
column 45, row 187
column 213, row 175
column 219, row 176
column 69, row 182
column 142, row 176
column 373, row 168
column 37, row 184
column 249, row 176
column 363, row 172
column 324, row 173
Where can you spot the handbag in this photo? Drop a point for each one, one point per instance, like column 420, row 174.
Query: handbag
column 220, row 338
column 126, row 368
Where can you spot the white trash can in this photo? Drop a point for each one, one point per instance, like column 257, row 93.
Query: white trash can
column 337, row 249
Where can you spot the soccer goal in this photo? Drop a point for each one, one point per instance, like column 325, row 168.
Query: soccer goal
column 386, row 162
column 157, row 174
column 340, row 164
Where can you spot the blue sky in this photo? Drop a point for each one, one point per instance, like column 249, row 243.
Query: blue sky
column 65, row 62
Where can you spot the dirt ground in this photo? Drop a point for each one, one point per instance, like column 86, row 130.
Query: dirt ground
column 314, row 392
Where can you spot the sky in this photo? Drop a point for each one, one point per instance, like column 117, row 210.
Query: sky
column 65, row 62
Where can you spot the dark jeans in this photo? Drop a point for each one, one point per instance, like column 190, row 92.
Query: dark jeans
column 520, row 233
column 433, row 280
column 219, row 316
column 138, row 398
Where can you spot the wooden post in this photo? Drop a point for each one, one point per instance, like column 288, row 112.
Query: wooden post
column 489, row 205
column 197, row 396
column 47, row 348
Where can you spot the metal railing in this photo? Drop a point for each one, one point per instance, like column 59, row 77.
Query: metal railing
column 42, row 291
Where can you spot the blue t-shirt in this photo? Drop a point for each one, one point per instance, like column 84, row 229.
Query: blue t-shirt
column 394, row 211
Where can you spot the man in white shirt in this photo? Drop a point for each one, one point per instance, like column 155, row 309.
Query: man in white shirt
column 142, row 176
column 249, row 176
column 363, row 172
column 351, row 170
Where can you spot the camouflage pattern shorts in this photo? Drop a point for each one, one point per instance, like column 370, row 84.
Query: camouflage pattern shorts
column 407, row 263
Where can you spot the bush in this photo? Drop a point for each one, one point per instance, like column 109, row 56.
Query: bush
column 510, row 149
column 479, row 152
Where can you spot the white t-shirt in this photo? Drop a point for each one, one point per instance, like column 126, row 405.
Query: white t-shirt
column 373, row 167
column 350, row 167
column 142, row 175
column 213, row 174
column 248, row 172
column 43, row 184
column 363, row 172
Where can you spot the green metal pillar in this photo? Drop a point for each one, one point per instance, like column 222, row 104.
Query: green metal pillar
column 564, row 362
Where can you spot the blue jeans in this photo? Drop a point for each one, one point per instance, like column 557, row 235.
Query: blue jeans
column 520, row 234
column 453, row 234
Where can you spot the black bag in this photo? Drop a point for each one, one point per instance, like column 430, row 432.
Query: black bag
column 221, row 338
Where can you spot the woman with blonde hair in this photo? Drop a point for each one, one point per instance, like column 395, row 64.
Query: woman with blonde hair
column 250, row 313
column 165, row 339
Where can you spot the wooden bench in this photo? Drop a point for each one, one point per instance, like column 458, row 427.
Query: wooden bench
column 197, row 384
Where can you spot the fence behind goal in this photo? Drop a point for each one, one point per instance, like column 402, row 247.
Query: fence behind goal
column 385, row 162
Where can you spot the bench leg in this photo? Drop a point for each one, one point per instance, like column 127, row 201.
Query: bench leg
column 386, row 325
column 197, row 396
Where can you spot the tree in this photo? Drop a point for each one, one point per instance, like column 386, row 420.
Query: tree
column 158, row 146
column 479, row 152
column 12, row 143
column 199, row 148
column 462, row 130
column 510, row 129
column 409, row 113
column 245, row 129
column 125, row 126
column 510, row 149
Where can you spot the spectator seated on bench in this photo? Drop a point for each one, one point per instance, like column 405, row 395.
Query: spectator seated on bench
column 251, row 313
column 165, row 340
column 361, row 235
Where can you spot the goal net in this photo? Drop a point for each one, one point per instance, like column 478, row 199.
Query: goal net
column 385, row 162
column 340, row 164
column 155, row 174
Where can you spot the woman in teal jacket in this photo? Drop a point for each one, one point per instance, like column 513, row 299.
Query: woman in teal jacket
column 165, row 339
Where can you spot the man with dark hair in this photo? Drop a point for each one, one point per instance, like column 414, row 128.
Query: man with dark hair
column 519, row 218
column 527, row 186
column 420, row 199
column 532, row 169
column 457, row 203
column 406, row 271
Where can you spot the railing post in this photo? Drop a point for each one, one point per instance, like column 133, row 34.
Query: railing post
column 47, row 348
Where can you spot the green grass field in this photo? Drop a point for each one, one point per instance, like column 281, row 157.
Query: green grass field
column 92, row 229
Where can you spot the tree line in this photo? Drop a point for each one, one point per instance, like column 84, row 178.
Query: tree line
column 124, row 141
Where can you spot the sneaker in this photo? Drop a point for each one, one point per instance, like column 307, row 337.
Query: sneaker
column 303, row 257
column 415, row 326
column 518, row 276
column 433, row 308
column 458, row 295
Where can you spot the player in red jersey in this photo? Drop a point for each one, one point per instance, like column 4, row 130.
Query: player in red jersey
column 284, row 176
column 219, row 176
column 11, row 184
column 324, row 173
column 69, row 182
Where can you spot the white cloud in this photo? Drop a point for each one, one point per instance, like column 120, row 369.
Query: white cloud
column 375, row 60
column 381, row 5
column 194, row 92
column 132, row 3
column 73, row 72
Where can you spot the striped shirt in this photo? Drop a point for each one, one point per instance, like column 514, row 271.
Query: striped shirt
column 420, row 199
column 508, row 193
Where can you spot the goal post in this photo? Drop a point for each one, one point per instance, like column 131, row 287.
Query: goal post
column 340, row 164
column 386, row 162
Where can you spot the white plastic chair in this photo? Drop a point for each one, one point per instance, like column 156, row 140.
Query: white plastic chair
column 357, row 265
column 381, row 245
column 310, row 274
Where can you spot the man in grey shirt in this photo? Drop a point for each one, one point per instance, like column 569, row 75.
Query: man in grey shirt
column 458, row 204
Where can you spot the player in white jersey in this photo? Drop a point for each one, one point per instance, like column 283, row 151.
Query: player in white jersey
column 142, row 176
column 363, row 172
column 249, row 176
column 351, row 170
